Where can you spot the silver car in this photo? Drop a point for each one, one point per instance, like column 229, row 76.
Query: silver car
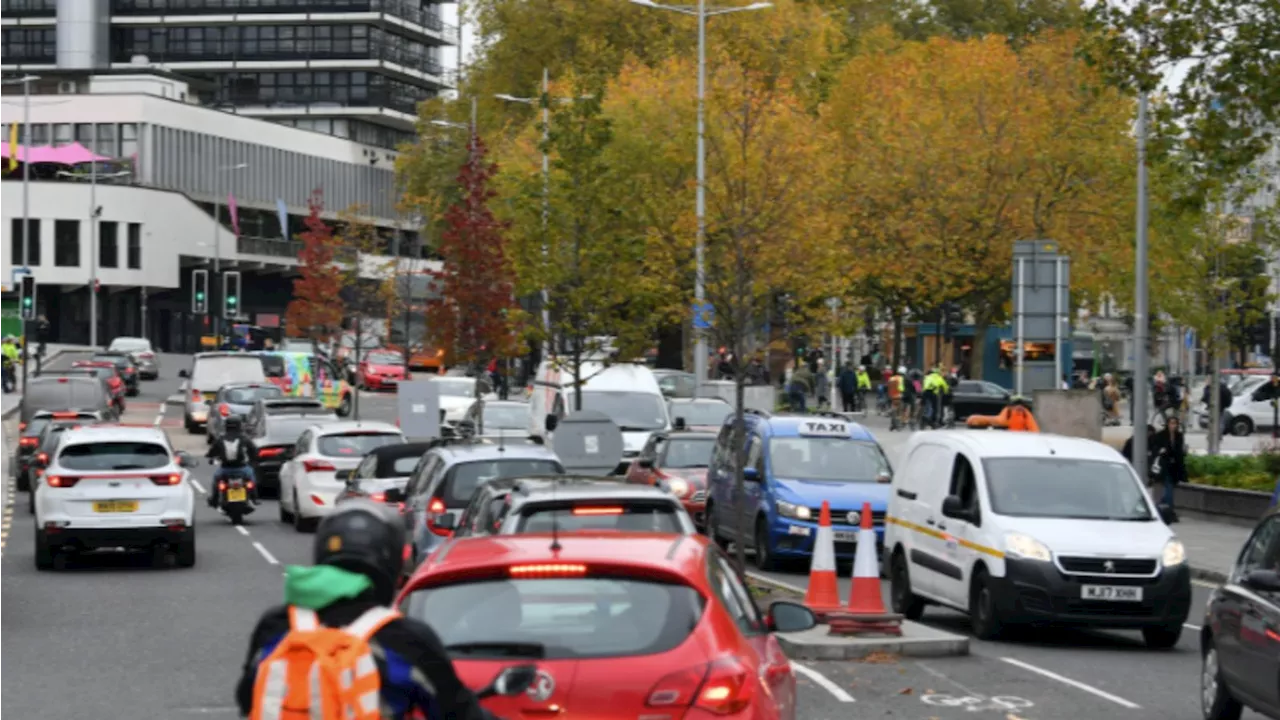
column 209, row 372
column 144, row 356
column 236, row 399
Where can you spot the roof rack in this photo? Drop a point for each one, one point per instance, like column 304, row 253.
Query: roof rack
column 455, row 440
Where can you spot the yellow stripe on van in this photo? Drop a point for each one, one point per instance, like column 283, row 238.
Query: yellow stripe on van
column 931, row 532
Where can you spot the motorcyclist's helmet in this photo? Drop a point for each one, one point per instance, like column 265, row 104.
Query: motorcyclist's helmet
column 363, row 537
column 902, row 369
column 233, row 424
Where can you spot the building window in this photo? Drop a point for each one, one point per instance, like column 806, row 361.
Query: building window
column 61, row 134
column 66, row 243
column 135, row 246
column 31, row 256
column 29, row 45
column 106, row 144
column 108, row 248
column 84, row 134
column 128, row 140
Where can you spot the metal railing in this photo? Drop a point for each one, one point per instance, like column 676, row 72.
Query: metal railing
column 396, row 8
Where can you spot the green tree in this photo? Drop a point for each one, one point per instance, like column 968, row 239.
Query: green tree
column 427, row 169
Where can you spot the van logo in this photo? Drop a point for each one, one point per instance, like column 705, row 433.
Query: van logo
column 854, row 517
column 542, row 688
column 1109, row 566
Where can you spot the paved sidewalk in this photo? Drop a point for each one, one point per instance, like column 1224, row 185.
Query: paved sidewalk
column 1212, row 546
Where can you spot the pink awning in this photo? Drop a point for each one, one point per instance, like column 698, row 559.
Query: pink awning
column 72, row 154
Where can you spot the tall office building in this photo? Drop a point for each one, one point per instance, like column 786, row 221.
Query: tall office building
column 355, row 69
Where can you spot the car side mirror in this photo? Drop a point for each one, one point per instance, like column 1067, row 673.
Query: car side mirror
column 186, row 460
column 751, row 474
column 394, row 495
column 1168, row 515
column 646, row 463
column 953, row 507
column 512, row 681
column 1264, row 580
column 552, row 422
column 884, row 478
column 184, row 374
column 789, row 617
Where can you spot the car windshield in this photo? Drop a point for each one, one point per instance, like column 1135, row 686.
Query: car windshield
column 212, row 373
column 130, row 344
column 247, row 395
column 505, row 417
column 296, row 345
column 827, row 459
column 114, row 456
column 701, row 413
column 569, row 618
column 466, row 477
column 355, row 444
column 688, row 452
column 384, row 357
column 289, row 428
column 456, row 387
column 1065, row 488
column 621, row 518
column 628, row 410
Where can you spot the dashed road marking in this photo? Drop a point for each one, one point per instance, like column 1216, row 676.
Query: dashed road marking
column 242, row 530
column 836, row 691
column 1189, row 626
column 196, row 484
column 266, row 554
column 1073, row 683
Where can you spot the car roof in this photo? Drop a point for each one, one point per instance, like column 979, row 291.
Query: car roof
column 108, row 432
column 480, row 451
column 400, row 450
column 658, row 553
column 222, row 354
column 1021, row 444
column 505, row 403
column 792, row 424
column 696, row 434
column 262, row 384
column 542, row 490
column 346, row 426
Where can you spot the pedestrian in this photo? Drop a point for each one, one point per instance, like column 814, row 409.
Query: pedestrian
column 1111, row 399
column 822, row 384
column 896, row 388
column 10, row 360
column 1127, row 450
column 1169, row 468
column 799, row 386
column 848, row 387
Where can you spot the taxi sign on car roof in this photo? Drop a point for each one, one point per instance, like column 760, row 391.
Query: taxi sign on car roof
column 824, row 428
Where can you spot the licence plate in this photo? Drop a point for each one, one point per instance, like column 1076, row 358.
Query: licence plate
column 844, row 536
column 115, row 506
column 1111, row 593
column 236, row 495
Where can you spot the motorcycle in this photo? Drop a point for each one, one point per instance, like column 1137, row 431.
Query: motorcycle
column 233, row 496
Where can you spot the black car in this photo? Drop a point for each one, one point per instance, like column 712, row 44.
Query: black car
column 1240, row 636
column 128, row 369
column 272, row 430
column 383, row 473
column 82, row 391
column 978, row 397
column 48, row 440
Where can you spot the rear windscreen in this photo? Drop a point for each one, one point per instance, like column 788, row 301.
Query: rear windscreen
column 211, row 373
column 619, row 518
column 247, row 395
column 36, row 425
column 292, row 408
column 75, row 393
column 466, row 477
column 568, row 618
column 355, row 444
column 402, row 466
column 114, row 456
column 289, row 428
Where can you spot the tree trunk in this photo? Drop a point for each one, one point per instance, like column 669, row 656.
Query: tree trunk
column 897, row 339
column 741, row 519
column 670, row 347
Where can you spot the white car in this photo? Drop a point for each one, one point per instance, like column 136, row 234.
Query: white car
column 457, row 393
column 309, row 487
column 111, row 486
column 142, row 353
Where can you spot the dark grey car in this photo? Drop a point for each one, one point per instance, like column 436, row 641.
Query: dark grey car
column 65, row 392
column 272, row 432
column 237, row 399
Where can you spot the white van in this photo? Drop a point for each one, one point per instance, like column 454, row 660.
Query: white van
column 626, row 392
column 1027, row 528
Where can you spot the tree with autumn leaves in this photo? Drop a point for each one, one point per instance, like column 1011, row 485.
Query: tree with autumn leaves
column 316, row 310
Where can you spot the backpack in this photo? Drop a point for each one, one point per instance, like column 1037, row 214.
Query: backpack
column 333, row 667
column 233, row 452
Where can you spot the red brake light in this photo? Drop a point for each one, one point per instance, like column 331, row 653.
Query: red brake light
column 378, row 497
column 222, row 485
column 63, row 380
column 677, row 689
column 437, row 506
column 722, row 688
column 270, row 452
column 548, row 570
column 22, row 426
column 61, row 481
column 42, row 458
column 65, row 416
column 597, row 511
column 318, row 466
column 29, row 442
column 195, row 395
column 224, row 410
column 170, row 479
column 146, row 355
column 434, row 510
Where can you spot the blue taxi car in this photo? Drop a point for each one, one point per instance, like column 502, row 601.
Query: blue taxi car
column 793, row 463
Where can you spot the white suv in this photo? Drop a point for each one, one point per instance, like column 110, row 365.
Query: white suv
column 114, row 486
column 309, row 486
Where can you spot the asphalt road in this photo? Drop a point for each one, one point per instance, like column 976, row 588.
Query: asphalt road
column 114, row 638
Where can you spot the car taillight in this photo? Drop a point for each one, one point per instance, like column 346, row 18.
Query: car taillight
column 42, row 458
column 61, row 481
column 222, row 485
column 224, row 410
column 28, row 442
column 65, row 416
column 548, row 570
column 378, row 497
column 434, row 511
column 22, row 426
column 270, row 452
column 721, row 688
column 597, row 511
column 318, row 466
column 146, row 355
column 195, row 395
column 170, row 479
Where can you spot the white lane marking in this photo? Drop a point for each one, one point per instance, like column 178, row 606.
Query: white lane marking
column 1073, row 683
column 1189, row 626
column 266, row 554
column 1206, row 584
column 196, row 483
column 159, row 416
column 822, row 680
column 242, row 530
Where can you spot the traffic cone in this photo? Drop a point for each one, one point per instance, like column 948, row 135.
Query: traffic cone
column 823, row 595
column 866, row 611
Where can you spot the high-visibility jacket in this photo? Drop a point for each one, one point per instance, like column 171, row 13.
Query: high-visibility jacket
column 933, row 382
column 896, row 386
column 864, row 380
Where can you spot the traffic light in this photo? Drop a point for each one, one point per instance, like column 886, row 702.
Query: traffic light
column 231, row 295
column 952, row 318
column 200, row 292
column 28, row 297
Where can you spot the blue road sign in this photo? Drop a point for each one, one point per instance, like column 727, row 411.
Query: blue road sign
column 704, row 316
column 1191, row 339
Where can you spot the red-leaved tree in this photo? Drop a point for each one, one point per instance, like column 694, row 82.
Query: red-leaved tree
column 474, row 319
column 315, row 311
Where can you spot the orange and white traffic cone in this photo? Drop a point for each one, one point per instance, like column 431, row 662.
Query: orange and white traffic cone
column 823, row 596
column 866, row 612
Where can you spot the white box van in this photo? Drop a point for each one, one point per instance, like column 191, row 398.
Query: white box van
column 626, row 392
column 1026, row 528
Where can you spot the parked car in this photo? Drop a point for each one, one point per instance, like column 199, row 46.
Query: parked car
column 978, row 397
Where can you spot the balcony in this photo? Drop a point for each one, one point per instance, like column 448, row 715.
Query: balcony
column 28, row 8
column 290, row 51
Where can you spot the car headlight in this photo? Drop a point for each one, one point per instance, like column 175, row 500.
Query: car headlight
column 678, row 487
column 791, row 510
column 1174, row 553
column 1027, row 547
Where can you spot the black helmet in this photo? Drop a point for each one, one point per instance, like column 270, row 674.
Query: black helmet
column 232, row 424
column 364, row 537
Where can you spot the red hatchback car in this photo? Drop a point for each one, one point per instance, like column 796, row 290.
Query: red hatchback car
column 381, row 369
column 619, row 626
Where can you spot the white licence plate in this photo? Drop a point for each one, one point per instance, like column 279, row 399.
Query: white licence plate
column 844, row 536
column 1112, row 593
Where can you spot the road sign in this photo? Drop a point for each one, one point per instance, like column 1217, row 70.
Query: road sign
column 419, row 409
column 588, row 442
column 704, row 316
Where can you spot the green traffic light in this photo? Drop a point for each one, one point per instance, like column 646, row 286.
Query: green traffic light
column 26, row 301
column 231, row 300
column 200, row 296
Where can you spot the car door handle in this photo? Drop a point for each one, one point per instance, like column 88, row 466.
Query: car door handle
column 929, row 522
column 942, row 526
column 907, row 494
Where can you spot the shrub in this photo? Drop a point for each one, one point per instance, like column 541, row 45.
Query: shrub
column 1239, row 472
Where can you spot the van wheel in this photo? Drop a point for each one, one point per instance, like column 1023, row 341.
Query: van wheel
column 1162, row 637
column 983, row 615
column 713, row 528
column 1216, row 702
column 344, row 408
column 1241, row 426
column 764, row 556
column 905, row 602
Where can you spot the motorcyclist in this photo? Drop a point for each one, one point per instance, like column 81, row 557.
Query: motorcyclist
column 233, row 457
column 359, row 554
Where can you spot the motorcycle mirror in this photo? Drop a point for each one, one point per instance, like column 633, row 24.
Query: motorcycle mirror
column 514, row 680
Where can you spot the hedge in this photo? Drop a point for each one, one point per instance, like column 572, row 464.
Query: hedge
column 1240, row 472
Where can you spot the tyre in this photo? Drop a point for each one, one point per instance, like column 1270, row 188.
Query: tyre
column 31, row 502
column 1162, row 637
column 1241, row 426
column 1216, row 702
column 236, row 515
column 905, row 602
column 301, row 524
column 764, row 554
column 344, row 407
column 131, row 392
column 44, row 553
column 185, row 555
column 713, row 528
column 984, row 616
column 23, row 482
column 285, row 515
column 191, row 427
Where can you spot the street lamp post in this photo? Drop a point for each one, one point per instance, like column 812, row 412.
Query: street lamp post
column 26, row 81
column 702, row 12
column 215, row 286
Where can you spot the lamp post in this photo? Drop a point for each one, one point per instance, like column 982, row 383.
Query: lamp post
column 1140, row 358
column 26, row 81
column 215, row 286
column 702, row 12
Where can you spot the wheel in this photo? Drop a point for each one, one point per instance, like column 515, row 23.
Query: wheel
column 191, row 427
column 713, row 528
column 300, row 523
column 186, row 553
column 31, row 502
column 44, row 554
column 983, row 615
column 1162, row 637
column 344, row 408
column 236, row 515
column 285, row 515
column 764, row 556
column 1216, row 702
column 905, row 602
column 1241, row 426
column 23, row 482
